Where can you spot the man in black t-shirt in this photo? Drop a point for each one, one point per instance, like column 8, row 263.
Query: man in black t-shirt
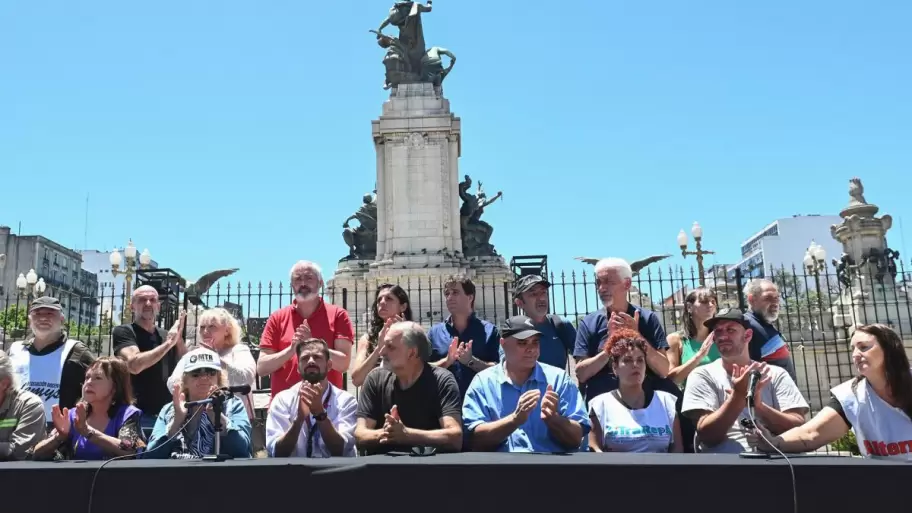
column 151, row 353
column 411, row 404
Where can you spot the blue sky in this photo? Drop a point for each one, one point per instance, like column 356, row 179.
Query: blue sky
column 237, row 133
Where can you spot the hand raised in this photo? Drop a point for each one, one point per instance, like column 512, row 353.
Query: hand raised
column 549, row 405
column 706, row 346
column 740, row 378
column 178, row 400
column 464, row 353
column 623, row 320
column 80, row 420
column 175, row 334
column 381, row 338
column 61, row 420
column 305, row 398
column 453, row 352
column 527, row 402
column 301, row 334
column 316, row 399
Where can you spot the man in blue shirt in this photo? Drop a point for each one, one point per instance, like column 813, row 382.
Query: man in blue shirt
column 557, row 337
column 614, row 278
column 521, row 404
column 463, row 343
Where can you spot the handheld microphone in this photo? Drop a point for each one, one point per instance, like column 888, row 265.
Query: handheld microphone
column 752, row 387
column 220, row 395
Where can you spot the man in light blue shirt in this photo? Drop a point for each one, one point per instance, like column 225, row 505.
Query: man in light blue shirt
column 522, row 405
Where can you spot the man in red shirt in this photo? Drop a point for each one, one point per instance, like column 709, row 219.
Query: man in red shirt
column 308, row 316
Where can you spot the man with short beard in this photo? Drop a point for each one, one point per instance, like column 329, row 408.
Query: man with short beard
column 312, row 419
column 530, row 293
column 767, row 343
column 151, row 353
column 308, row 316
column 50, row 364
column 716, row 394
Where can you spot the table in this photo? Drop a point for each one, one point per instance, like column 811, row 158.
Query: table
column 464, row 483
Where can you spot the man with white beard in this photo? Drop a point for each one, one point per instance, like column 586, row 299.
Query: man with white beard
column 49, row 363
column 767, row 343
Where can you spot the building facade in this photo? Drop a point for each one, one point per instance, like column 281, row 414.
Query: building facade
column 784, row 242
column 60, row 267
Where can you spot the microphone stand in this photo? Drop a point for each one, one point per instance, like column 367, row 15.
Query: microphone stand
column 218, row 404
column 753, row 453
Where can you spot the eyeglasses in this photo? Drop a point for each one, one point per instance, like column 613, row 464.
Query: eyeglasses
column 203, row 372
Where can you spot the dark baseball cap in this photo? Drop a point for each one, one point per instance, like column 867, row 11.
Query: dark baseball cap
column 51, row 303
column 727, row 314
column 519, row 327
column 527, row 282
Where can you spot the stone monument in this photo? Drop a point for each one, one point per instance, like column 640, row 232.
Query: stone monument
column 415, row 232
column 867, row 268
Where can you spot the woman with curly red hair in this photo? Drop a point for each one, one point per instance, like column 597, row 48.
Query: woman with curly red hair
column 631, row 418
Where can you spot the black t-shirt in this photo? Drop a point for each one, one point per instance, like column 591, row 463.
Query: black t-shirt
column 836, row 405
column 74, row 369
column 150, row 387
column 434, row 395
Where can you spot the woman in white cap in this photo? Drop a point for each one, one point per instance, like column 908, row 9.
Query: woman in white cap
column 186, row 432
column 220, row 331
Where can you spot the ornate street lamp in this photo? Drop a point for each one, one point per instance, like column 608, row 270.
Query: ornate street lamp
column 30, row 285
column 697, row 233
column 131, row 267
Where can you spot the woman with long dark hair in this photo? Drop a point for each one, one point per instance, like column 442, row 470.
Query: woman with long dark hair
column 693, row 346
column 391, row 305
column 103, row 424
column 876, row 405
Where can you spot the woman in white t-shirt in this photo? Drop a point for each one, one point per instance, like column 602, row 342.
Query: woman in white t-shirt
column 631, row 419
column 876, row 405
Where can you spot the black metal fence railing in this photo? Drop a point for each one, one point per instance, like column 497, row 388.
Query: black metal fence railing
column 816, row 313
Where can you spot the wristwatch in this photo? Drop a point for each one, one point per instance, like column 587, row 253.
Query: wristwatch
column 320, row 417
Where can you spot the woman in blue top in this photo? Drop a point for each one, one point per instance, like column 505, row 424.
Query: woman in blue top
column 104, row 424
column 183, row 432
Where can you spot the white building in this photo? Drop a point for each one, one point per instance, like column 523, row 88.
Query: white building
column 784, row 242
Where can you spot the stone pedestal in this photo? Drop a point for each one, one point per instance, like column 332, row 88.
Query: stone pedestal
column 419, row 241
column 867, row 269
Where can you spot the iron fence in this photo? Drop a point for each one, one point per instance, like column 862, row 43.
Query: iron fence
column 817, row 313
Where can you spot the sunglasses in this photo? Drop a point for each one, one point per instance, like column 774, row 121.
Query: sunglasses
column 203, row 372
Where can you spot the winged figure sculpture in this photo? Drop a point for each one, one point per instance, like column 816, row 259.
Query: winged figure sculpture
column 636, row 266
column 194, row 291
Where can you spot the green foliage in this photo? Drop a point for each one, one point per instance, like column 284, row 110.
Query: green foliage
column 14, row 321
column 847, row 443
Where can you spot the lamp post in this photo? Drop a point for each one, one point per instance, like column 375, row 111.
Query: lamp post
column 697, row 233
column 814, row 262
column 30, row 285
column 131, row 266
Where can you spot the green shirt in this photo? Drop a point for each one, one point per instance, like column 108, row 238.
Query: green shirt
column 689, row 349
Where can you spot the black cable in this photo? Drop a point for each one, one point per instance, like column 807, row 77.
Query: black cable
column 126, row 456
column 750, row 412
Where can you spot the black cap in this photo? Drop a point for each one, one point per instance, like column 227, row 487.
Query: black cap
column 518, row 326
column 527, row 282
column 727, row 314
column 45, row 302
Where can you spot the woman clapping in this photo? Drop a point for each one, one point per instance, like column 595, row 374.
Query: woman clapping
column 104, row 424
column 390, row 304
column 187, row 432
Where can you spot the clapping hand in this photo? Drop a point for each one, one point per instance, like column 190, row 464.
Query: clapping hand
column 549, row 404
column 741, row 378
column 175, row 334
column 527, row 402
column 301, row 334
column 620, row 320
column 313, row 394
column 705, row 347
column 464, row 353
column 394, row 431
column 61, row 420
column 381, row 338
column 177, row 400
column 80, row 420
column 452, row 352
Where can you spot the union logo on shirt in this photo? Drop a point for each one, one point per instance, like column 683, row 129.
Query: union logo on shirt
column 880, row 448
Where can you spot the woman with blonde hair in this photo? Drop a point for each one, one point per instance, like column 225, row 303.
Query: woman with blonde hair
column 219, row 331
column 185, row 431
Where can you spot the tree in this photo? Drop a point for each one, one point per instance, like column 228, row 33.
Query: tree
column 14, row 321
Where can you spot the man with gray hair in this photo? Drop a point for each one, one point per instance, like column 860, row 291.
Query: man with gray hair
column 411, row 403
column 613, row 279
column 49, row 363
column 766, row 344
column 308, row 316
column 22, row 422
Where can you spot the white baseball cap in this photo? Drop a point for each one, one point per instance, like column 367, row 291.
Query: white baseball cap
column 202, row 358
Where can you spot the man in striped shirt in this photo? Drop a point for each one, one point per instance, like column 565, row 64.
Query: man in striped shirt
column 767, row 344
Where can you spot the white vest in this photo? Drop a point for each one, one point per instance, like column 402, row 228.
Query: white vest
column 41, row 375
column 882, row 431
column 650, row 429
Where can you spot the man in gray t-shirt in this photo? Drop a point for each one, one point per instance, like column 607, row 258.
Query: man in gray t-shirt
column 716, row 394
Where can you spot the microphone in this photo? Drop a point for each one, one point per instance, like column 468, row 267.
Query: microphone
column 220, row 395
column 752, row 387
